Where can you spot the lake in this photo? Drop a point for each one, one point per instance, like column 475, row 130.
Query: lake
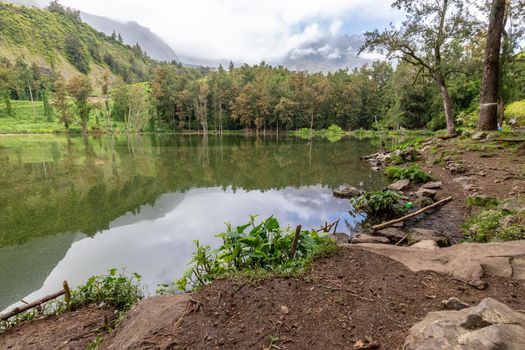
column 71, row 207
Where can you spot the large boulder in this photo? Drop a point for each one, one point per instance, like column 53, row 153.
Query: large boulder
column 399, row 185
column 417, row 235
column 360, row 238
column 490, row 325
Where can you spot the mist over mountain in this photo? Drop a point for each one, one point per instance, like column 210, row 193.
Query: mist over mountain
column 133, row 33
column 329, row 53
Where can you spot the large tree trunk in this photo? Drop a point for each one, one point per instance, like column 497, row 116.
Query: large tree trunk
column 447, row 105
column 488, row 116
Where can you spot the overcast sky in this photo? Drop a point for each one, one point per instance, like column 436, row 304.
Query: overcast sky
column 244, row 30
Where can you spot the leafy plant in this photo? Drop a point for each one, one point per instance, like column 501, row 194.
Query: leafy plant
column 262, row 247
column 379, row 204
column 412, row 173
column 114, row 289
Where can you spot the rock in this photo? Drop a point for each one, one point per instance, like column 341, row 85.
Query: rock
column 417, row 235
column 433, row 185
column 454, row 304
column 520, row 150
column 393, row 234
column 364, row 238
column 425, row 192
column 423, row 202
column 479, row 136
column 487, row 326
column 399, row 185
column 347, row 192
column 427, row 245
column 455, row 168
column 341, row 238
column 514, row 204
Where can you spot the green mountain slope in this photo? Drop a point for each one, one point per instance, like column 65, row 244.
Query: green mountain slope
column 57, row 39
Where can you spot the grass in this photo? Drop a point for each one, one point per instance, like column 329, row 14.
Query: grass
column 413, row 173
column 333, row 133
column 487, row 226
column 482, row 201
column 23, row 121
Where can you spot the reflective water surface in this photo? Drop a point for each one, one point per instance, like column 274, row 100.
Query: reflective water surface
column 74, row 207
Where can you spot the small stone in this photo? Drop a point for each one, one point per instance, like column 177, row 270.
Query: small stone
column 399, row 185
column 479, row 136
column 427, row 245
column 417, row 235
column 393, row 234
column 423, row 202
column 347, row 192
column 433, row 185
column 454, row 304
column 364, row 238
column 285, row 309
column 424, row 192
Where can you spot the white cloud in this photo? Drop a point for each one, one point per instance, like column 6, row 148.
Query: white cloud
column 241, row 30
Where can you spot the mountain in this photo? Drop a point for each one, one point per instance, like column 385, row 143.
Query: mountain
column 133, row 33
column 330, row 53
column 57, row 39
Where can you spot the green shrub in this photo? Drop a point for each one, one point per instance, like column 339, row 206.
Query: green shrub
column 486, row 227
column 379, row 204
column 260, row 247
column 114, row 289
column 412, row 173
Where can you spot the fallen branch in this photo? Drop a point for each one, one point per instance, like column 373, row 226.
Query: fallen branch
column 411, row 215
column 20, row 309
column 401, row 241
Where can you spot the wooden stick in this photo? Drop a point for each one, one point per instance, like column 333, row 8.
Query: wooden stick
column 411, row 215
column 401, row 240
column 295, row 241
column 20, row 309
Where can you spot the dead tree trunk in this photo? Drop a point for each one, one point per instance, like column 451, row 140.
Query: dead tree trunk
column 488, row 116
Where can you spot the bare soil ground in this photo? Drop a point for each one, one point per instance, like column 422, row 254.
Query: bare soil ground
column 72, row 330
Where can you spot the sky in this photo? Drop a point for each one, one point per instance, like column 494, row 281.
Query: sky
column 244, row 30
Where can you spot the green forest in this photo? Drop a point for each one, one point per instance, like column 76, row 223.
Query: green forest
column 436, row 52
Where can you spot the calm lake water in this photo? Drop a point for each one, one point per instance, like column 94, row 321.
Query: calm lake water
column 74, row 207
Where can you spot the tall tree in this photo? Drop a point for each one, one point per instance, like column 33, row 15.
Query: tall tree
column 61, row 104
column 428, row 39
column 80, row 88
column 488, row 116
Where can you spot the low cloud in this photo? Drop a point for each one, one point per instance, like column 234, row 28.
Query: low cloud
column 241, row 30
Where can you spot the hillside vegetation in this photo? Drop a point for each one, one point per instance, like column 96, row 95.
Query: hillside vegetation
column 56, row 39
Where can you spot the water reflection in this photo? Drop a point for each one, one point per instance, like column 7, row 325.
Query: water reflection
column 73, row 207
